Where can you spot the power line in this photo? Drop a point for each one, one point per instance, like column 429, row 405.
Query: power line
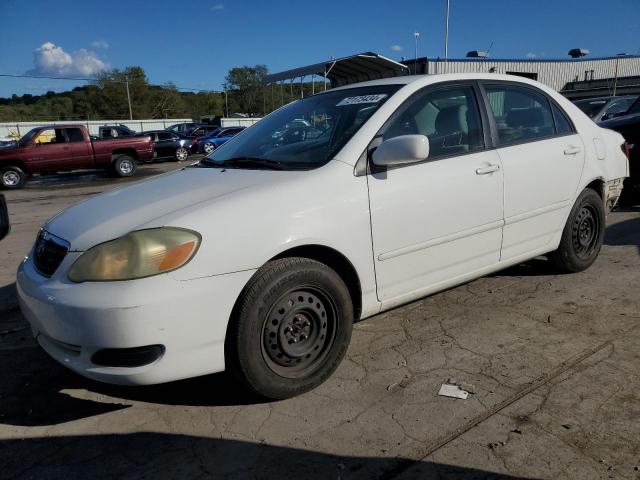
column 81, row 79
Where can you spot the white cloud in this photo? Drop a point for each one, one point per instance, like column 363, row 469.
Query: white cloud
column 531, row 55
column 100, row 44
column 217, row 7
column 51, row 59
column 396, row 48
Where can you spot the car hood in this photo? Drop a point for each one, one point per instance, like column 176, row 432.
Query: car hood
column 115, row 213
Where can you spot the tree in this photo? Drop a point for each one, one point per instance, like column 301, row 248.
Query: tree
column 247, row 88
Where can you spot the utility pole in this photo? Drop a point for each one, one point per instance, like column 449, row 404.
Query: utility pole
column 226, row 100
column 446, row 34
column 615, row 76
column 415, row 62
column 126, row 82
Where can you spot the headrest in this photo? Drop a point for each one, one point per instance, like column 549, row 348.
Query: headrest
column 452, row 119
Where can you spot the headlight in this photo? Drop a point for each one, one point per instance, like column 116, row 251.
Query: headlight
column 138, row 254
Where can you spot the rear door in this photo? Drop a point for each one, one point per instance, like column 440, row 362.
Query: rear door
column 440, row 219
column 80, row 152
column 165, row 144
column 542, row 156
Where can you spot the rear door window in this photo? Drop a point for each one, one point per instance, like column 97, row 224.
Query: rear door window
column 521, row 114
column 75, row 135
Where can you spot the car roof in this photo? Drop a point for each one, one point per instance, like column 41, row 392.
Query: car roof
column 600, row 99
column 428, row 79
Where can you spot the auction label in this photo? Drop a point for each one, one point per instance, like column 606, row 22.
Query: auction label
column 361, row 99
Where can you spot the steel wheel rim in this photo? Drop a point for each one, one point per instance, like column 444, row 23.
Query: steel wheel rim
column 11, row 178
column 181, row 154
column 586, row 229
column 298, row 332
column 208, row 147
column 126, row 166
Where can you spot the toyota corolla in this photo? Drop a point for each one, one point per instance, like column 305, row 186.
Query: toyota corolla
column 259, row 258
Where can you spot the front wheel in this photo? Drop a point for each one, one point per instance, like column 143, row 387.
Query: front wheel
column 12, row 177
column 291, row 329
column 182, row 154
column 582, row 235
column 124, row 166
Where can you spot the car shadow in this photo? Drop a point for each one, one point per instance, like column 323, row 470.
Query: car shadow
column 531, row 268
column 165, row 455
column 624, row 233
column 37, row 391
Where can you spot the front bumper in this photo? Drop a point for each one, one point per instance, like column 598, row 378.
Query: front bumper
column 72, row 321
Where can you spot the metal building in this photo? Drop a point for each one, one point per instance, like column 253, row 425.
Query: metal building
column 575, row 77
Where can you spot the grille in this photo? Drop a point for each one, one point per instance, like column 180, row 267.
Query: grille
column 48, row 253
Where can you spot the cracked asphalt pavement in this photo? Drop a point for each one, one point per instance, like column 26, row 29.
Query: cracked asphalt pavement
column 554, row 360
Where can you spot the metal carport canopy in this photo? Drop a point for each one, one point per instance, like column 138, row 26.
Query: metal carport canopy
column 346, row 70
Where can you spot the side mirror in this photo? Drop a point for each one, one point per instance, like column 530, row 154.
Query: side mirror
column 4, row 218
column 401, row 150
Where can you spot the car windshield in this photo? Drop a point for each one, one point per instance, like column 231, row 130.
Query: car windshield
column 304, row 134
column 28, row 136
column 635, row 108
column 591, row 107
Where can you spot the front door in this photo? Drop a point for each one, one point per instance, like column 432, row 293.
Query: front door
column 542, row 157
column 48, row 151
column 440, row 219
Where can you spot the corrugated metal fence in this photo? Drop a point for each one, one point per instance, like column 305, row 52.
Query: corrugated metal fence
column 17, row 129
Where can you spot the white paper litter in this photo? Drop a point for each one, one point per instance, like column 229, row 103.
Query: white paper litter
column 453, row 391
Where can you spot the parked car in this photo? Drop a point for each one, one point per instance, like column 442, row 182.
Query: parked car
column 628, row 126
column 51, row 149
column 115, row 131
column 209, row 143
column 604, row 108
column 203, row 131
column 5, row 226
column 259, row 258
column 170, row 145
column 182, row 128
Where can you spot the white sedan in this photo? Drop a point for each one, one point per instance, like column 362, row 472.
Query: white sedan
column 259, row 258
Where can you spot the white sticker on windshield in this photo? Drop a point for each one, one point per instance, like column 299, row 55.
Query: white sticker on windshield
column 361, row 99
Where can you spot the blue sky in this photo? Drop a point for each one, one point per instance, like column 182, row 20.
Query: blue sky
column 194, row 43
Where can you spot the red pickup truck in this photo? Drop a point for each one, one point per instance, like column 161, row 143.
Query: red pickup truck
column 52, row 149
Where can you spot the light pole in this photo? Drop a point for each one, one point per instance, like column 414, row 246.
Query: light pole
column 415, row 62
column 446, row 33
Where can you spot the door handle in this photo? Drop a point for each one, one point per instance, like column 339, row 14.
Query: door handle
column 488, row 169
column 572, row 150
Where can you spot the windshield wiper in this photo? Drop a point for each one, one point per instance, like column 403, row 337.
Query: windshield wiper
column 249, row 162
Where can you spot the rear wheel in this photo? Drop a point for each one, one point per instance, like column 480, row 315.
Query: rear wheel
column 12, row 177
column 124, row 166
column 292, row 328
column 182, row 154
column 582, row 235
column 208, row 147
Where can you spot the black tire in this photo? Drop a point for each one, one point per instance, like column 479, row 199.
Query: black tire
column 582, row 235
column 124, row 166
column 181, row 154
column 287, row 299
column 12, row 177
